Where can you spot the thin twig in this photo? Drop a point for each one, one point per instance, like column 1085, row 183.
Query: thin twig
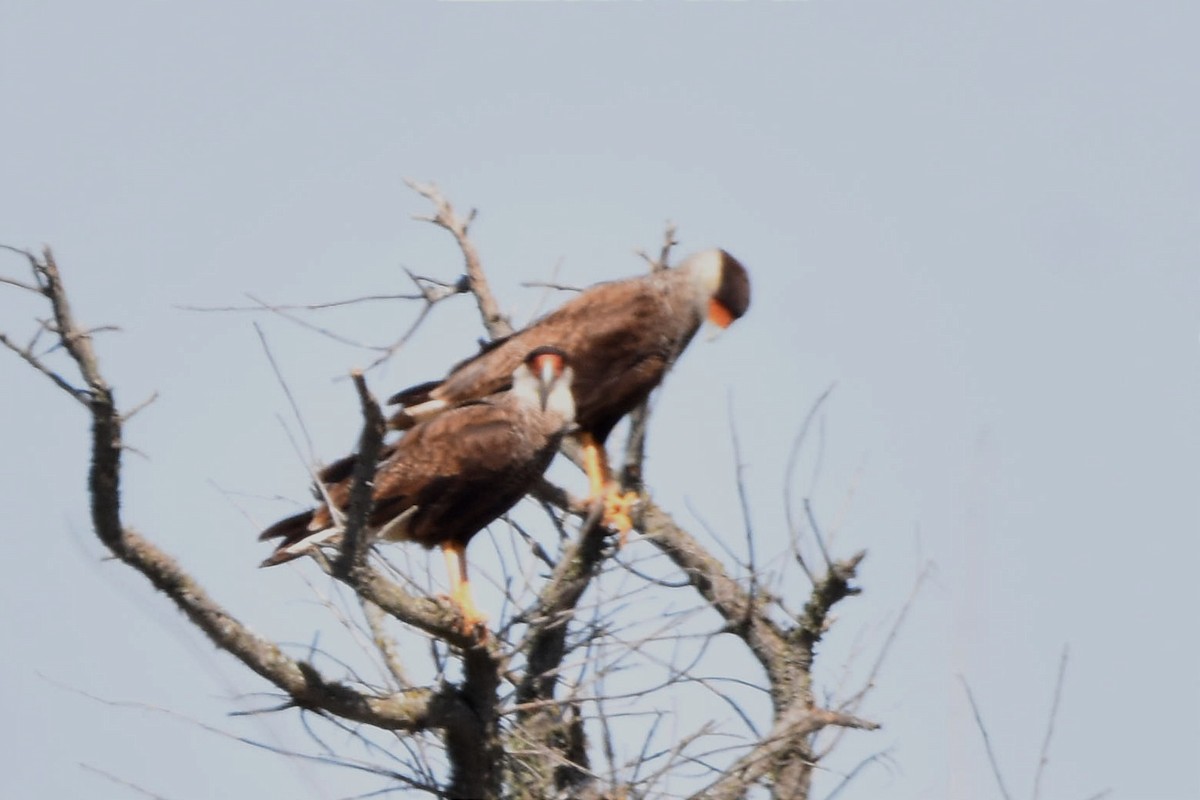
column 121, row 781
column 852, row 704
column 1044, row 758
column 292, row 318
column 28, row 255
column 431, row 290
column 793, row 456
column 561, row 287
column 308, row 458
column 19, row 284
column 128, row 415
column 287, row 390
column 857, row 769
column 987, row 741
column 816, row 529
column 260, row 305
column 744, row 501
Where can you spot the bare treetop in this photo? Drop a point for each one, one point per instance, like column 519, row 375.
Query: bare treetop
column 544, row 707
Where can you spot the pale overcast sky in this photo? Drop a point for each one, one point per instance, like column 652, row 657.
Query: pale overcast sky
column 979, row 221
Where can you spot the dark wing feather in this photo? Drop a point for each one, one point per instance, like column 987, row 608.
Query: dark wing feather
column 421, row 392
column 343, row 468
column 414, row 394
column 291, row 529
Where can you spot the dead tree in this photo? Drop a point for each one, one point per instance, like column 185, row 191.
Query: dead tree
column 545, row 706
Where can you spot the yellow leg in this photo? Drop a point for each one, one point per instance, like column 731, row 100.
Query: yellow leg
column 617, row 507
column 595, row 464
column 460, row 587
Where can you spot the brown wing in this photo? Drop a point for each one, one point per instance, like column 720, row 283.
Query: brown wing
column 620, row 337
column 490, row 370
column 460, row 471
column 455, row 473
column 465, row 441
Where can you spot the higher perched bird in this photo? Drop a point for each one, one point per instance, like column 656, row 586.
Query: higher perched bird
column 449, row 477
column 622, row 337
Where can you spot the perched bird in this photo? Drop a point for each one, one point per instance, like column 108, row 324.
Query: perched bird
column 449, row 477
column 622, row 337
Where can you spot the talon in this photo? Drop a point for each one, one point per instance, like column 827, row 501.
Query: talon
column 473, row 622
column 618, row 507
column 474, row 625
column 618, row 512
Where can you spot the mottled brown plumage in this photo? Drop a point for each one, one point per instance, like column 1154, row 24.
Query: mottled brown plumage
column 450, row 476
column 621, row 337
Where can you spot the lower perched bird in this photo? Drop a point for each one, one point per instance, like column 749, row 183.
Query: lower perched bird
column 623, row 336
column 449, row 477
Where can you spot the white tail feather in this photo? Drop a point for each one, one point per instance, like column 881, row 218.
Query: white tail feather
column 312, row 540
column 397, row 529
column 423, row 411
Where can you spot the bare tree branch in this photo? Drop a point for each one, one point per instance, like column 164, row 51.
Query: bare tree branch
column 796, row 724
column 33, row 361
column 632, row 475
column 545, row 646
column 708, row 576
column 329, row 758
column 445, row 216
column 384, row 643
column 635, row 445
column 374, row 425
column 664, row 254
column 430, row 290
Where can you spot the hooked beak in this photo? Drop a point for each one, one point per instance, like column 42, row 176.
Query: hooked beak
column 718, row 314
column 720, row 318
column 545, row 380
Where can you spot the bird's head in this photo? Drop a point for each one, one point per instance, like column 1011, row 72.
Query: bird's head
column 722, row 285
column 544, row 378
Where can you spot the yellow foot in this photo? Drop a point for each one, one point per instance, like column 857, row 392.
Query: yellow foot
column 618, row 512
column 473, row 622
column 474, row 625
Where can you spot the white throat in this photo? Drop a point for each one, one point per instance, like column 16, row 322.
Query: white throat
column 704, row 269
column 559, row 400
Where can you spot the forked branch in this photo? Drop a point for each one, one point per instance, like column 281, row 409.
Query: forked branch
column 445, row 216
column 417, row 709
